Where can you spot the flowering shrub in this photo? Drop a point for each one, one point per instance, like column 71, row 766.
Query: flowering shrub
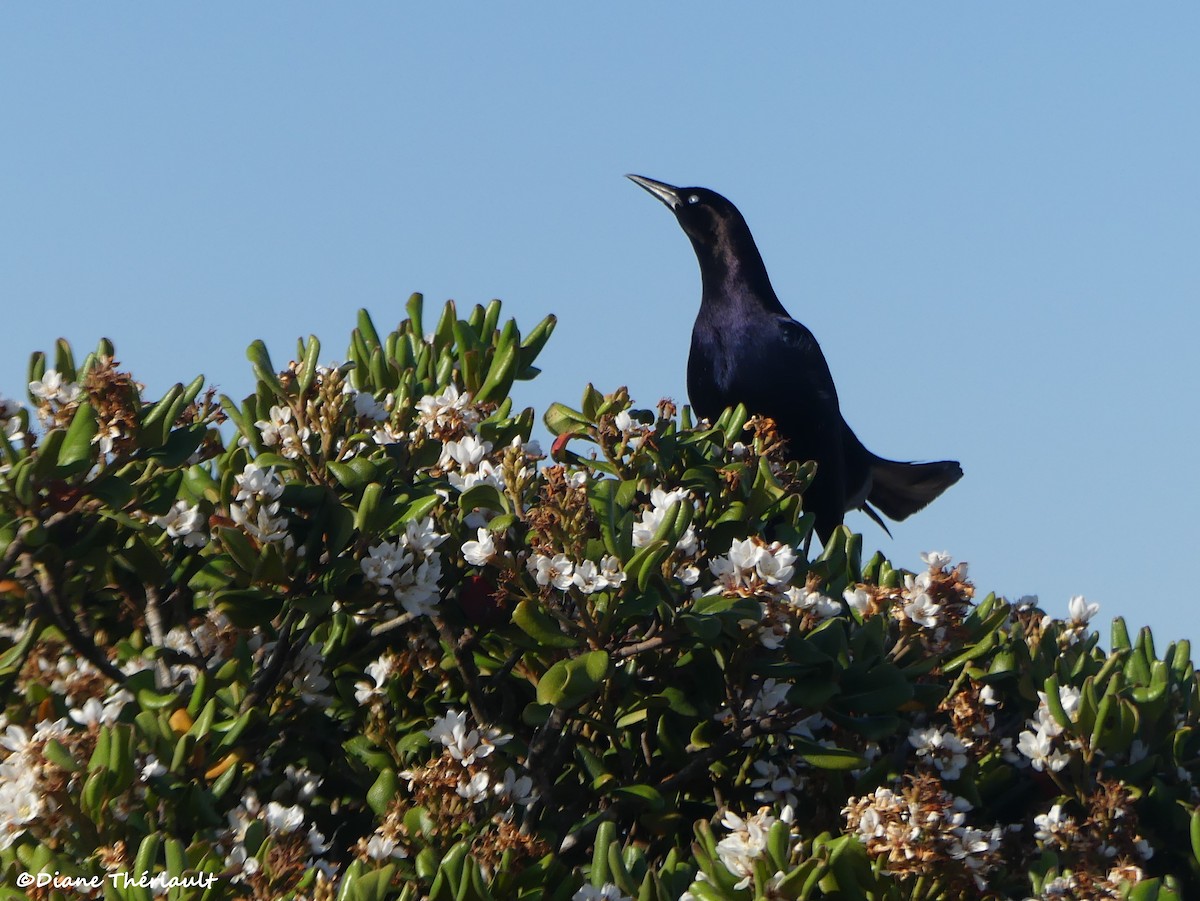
column 365, row 640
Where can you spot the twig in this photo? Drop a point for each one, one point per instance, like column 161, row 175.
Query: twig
column 162, row 674
column 80, row 640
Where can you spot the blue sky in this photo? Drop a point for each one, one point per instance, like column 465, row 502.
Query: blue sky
column 989, row 215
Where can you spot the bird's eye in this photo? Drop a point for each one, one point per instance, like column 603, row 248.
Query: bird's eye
column 693, row 198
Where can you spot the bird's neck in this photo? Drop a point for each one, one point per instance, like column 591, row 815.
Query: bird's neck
column 738, row 281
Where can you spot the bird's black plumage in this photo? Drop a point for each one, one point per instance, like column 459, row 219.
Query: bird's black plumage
column 747, row 349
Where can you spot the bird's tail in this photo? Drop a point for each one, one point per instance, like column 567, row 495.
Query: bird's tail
column 901, row 489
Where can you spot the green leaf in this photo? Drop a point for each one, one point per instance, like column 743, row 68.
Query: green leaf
column 824, row 758
column 260, row 362
column 76, row 447
column 562, row 420
column 532, row 346
column 483, row 497
column 308, row 368
column 156, row 422
column 504, row 366
column 540, row 626
column 380, row 794
column 570, row 682
column 647, row 794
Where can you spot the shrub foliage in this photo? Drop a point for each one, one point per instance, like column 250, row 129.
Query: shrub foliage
column 365, row 641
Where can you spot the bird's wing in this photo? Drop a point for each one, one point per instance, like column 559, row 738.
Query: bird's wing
column 806, row 411
column 805, row 366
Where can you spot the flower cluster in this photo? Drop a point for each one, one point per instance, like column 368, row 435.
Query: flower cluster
column 1099, row 846
column 282, row 838
column 1038, row 742
column 563, row 573
column 929, row 606
column 256, row 506
column 53, row 393
column 922, row 830
column 409, row 567
column 651, row 521
column 185, row 523
column 10, row 419
column 941, row 747
column 23, row 774
column 747, row 840
column 447, row 415
column 280, row 432
column 469, row 748
column 462, row 785
column 1079, row 614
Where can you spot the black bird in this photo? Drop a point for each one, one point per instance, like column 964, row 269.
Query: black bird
column 747, row 349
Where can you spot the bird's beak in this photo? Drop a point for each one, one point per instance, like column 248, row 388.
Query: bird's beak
column 664, row 192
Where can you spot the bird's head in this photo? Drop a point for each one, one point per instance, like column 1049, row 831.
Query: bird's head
column 709, row 219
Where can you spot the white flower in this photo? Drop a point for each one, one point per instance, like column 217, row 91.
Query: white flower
column 936, row 560
column 466, row 464
column 514, row 789
column 20, row 803
column 258, row 483
column 303, row 780
column 479, row 552
column 771, row 695
column 733, row 570
column 183, row 521
column 660, row 502
column 380, row 847
column 465, row 746
column 280, row 431
column 1044, row 721
column 262, row 524
column 417, row 588
column 558, row 570
column 687, row 573
column 607, row 892
column 365, row 405
column 774, row 783
column 12, row 430
column 923, row 611
column 317, row 843
column 53, row 388
column 858, row 599
column 587, row 577
column 446, row 409
column 945, row 749
column 474, row 789
column 1081, row 611
column 383, row 561
column 1039, row 748
column 152, row 768
column 422, row 535
column 746, row 842
column 239, row 859
column 611, row 572
column 1051, row 824
column 94, row 713
column 282, row 820
column 307, row 675
column 465, row 454
column 379, row 672
column 813, row 602
column 774, row 564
